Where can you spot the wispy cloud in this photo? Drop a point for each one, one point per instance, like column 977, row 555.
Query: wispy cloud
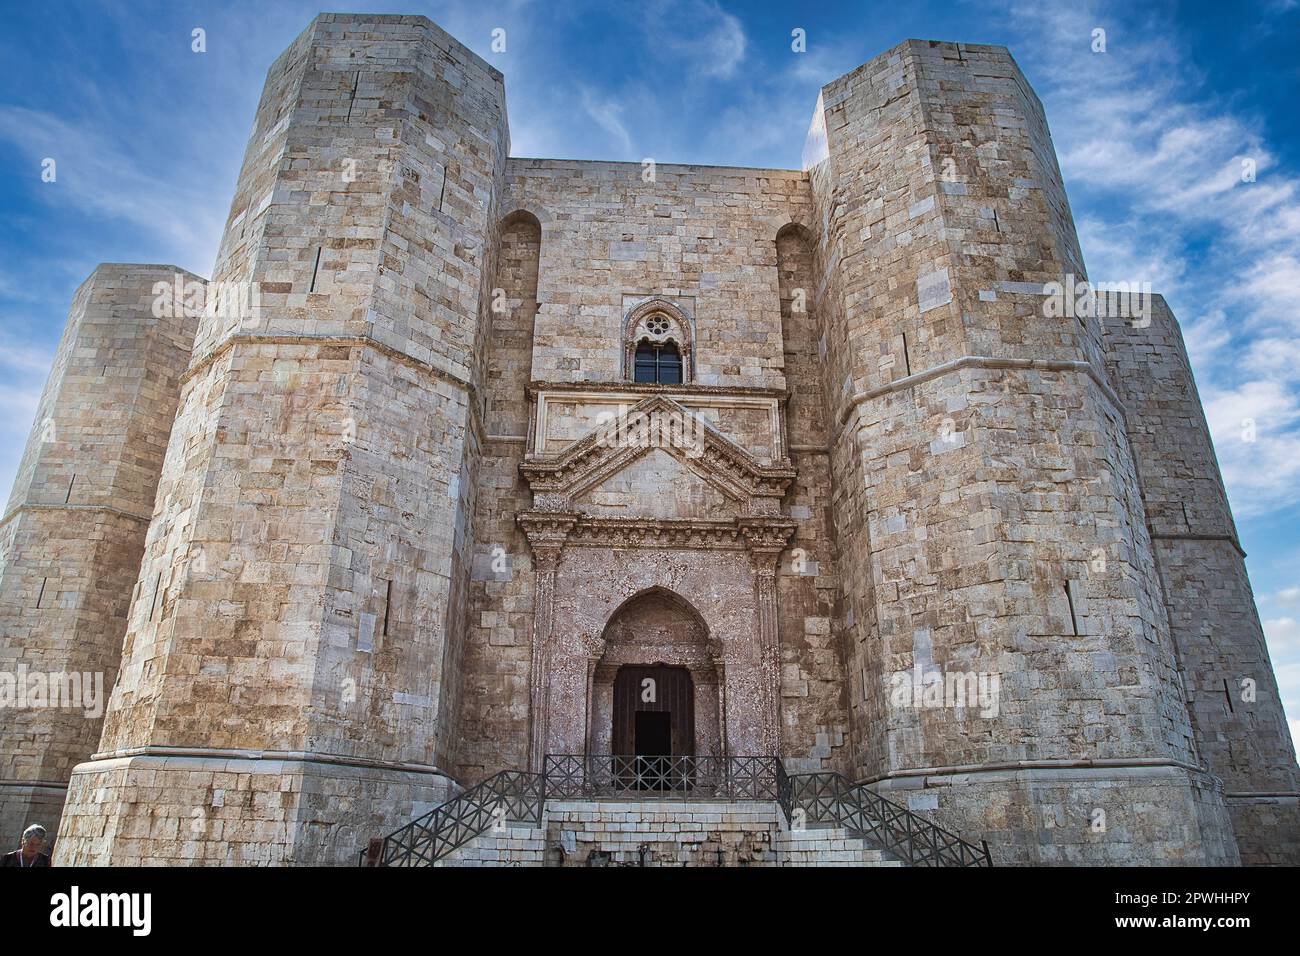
column 701, row 37
column 1169, row 170
column 97, row 176
column 608, row 115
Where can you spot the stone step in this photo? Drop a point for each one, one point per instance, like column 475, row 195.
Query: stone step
column 664, row 833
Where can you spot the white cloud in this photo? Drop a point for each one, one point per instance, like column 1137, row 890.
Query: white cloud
column 703, row 38
column 93, row 173
column 1288, row 597
column 608, row 115
column 1258, row 445
column 1139, row 132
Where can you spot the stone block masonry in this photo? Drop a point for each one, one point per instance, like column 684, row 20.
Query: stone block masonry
column 74, row 531
column 311, row 542
column 1232, row 695
column 665, row 833
column 401, row 539
column 981, row 462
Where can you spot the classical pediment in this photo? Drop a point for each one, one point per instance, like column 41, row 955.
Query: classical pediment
column 656, row 446
column 657, row 485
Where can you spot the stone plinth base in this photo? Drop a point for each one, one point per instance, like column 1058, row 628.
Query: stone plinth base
column 1267, row 827
column 236, row 809
column 1116, row 815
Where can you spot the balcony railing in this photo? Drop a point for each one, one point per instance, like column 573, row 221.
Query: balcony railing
column 594, row 776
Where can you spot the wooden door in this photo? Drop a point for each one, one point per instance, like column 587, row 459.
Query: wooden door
column 660, row 690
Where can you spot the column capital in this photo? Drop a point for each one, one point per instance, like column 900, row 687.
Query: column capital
column 547, row 532
column 766, row 538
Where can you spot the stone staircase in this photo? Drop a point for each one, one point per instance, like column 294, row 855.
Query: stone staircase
column 602, row 810
column 618, row 832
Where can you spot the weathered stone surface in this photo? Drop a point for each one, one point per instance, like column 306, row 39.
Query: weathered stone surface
column 324, row 462
column 806, row 440
column 74, row 530
column 1232, row 694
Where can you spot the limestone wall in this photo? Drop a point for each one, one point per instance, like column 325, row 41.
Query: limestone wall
column 980, row 453
column 703, row 237
column 1236, row 711
column 310, row 553
column 385, row 550
column 493, row 676
column 73, row 533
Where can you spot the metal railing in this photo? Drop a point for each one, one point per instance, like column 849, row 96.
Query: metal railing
column 832, row 798
column 511, row 795
column 591, row 776
column 825, row 798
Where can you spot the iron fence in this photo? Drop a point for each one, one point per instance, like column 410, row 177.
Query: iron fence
column 814, row 798
column 831, row 798
column 512, row 795
column 590, row 776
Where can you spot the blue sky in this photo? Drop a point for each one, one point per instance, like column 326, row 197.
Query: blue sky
column 1151, row 134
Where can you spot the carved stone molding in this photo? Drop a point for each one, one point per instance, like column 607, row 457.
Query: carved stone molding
column 546, row 532
column 766, row 538
column 603, row 452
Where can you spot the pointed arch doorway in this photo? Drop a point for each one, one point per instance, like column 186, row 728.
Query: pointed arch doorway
column 657, row 688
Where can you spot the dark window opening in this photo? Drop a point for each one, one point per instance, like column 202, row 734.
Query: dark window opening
column 657, row 364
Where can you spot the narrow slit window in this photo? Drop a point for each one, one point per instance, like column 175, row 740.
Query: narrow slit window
column 157, row 587
column 388, row 606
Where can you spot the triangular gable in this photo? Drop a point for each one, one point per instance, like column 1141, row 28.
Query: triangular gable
column 656, row 422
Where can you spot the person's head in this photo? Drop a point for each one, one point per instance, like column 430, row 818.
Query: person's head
column 33, row 839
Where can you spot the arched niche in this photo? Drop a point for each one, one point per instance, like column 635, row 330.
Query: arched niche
column 513, row 311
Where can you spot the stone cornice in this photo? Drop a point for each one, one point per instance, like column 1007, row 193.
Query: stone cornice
column 39, row 506
column 201, row 362
column 547, row 528
column 1227, row 538
column 984, row 362
column 538, row 386
column 128, row 755
column 569, row 529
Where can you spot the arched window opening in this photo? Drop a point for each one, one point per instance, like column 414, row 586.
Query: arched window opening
column 658, row 341
column 658, row 363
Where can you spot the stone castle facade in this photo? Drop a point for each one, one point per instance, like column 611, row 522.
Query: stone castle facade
column 501, row 432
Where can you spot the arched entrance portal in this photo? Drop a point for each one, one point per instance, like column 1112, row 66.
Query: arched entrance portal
column 657, row 688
